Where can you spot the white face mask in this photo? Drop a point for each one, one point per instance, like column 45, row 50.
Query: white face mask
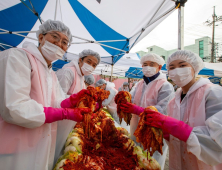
column 87, row 69
column 51, row 51
column 149, row 71
column 181, row 76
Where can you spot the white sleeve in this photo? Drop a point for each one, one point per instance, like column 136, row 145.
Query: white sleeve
column 111, row 96
column 60, row 95
column 166, row 93
column 66, row 78
column 205, row 142
column 133, row 92
column 22, row 110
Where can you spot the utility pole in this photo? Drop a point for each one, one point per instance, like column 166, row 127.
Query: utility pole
column 181, row 28
column 212, row 48
column 209, row 23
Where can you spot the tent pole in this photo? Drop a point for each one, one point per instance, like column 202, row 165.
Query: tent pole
column 6, row 45
column 154, row 21
column 112, row 69
column 110, row 47
column 18, row 34
column 55, row 9
column 111, row 73
column 181, row 28
column 2, row 47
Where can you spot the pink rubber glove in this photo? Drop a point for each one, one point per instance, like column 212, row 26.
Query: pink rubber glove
column 131, row 108
column 55, row 114
column 166, row 136
column 73, row 99
column 175, row 127
column 97, row 107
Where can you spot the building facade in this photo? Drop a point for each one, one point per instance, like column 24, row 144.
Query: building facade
column 202, row 47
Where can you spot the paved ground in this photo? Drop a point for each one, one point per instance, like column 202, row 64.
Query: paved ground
column 166, row 167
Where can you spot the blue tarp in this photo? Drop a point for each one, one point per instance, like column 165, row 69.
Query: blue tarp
column 215, row 80
column 134, row 72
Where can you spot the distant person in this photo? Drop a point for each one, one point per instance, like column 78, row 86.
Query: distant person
column 109, row 103
column 153, row 90
column 133, row 85
column 89, row 80
column 71, row 76
column 124, row 87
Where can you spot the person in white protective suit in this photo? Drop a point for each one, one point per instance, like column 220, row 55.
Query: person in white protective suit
column 153, row 90
column 71, row 79
column 109, row 103
column 124, row 87
column 89, row 80
column 133, row 86
column 30, row 100
column 194, row 121
column 72, row 74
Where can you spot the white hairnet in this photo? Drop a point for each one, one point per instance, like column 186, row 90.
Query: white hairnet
column 89, row 79
column 189, row 57
column 88, row 52
column 125, row 84
column 51, row 25
column 152, row 57
column 100, row 82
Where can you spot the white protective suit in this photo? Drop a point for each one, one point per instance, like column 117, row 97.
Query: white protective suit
column 201, row 108
column 72, row 81
column 165, row 94
column 33, row 144
column 66, row 77
column 110, row 103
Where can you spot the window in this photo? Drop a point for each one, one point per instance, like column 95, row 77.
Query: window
column 163, row 57
column 151, row 49
column 201, row 49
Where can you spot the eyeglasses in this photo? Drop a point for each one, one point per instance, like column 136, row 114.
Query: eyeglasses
column 57, row 38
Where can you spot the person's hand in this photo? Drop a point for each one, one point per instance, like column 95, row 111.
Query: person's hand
column 73, row 99
column 154, row 118
column 76, row 114
column 56, row 114
column 97, row 107
column 170, row 125
column 131, row 108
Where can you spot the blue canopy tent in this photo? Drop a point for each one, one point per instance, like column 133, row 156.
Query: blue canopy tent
column 103, row 26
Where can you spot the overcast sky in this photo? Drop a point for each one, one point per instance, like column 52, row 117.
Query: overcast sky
column 196, row 12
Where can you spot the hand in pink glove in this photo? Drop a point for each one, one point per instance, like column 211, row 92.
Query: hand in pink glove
column 175, row 127
column 55, row 114
column 131, row 108
column 73, row 99
column 166, row 136
column 97, row 107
